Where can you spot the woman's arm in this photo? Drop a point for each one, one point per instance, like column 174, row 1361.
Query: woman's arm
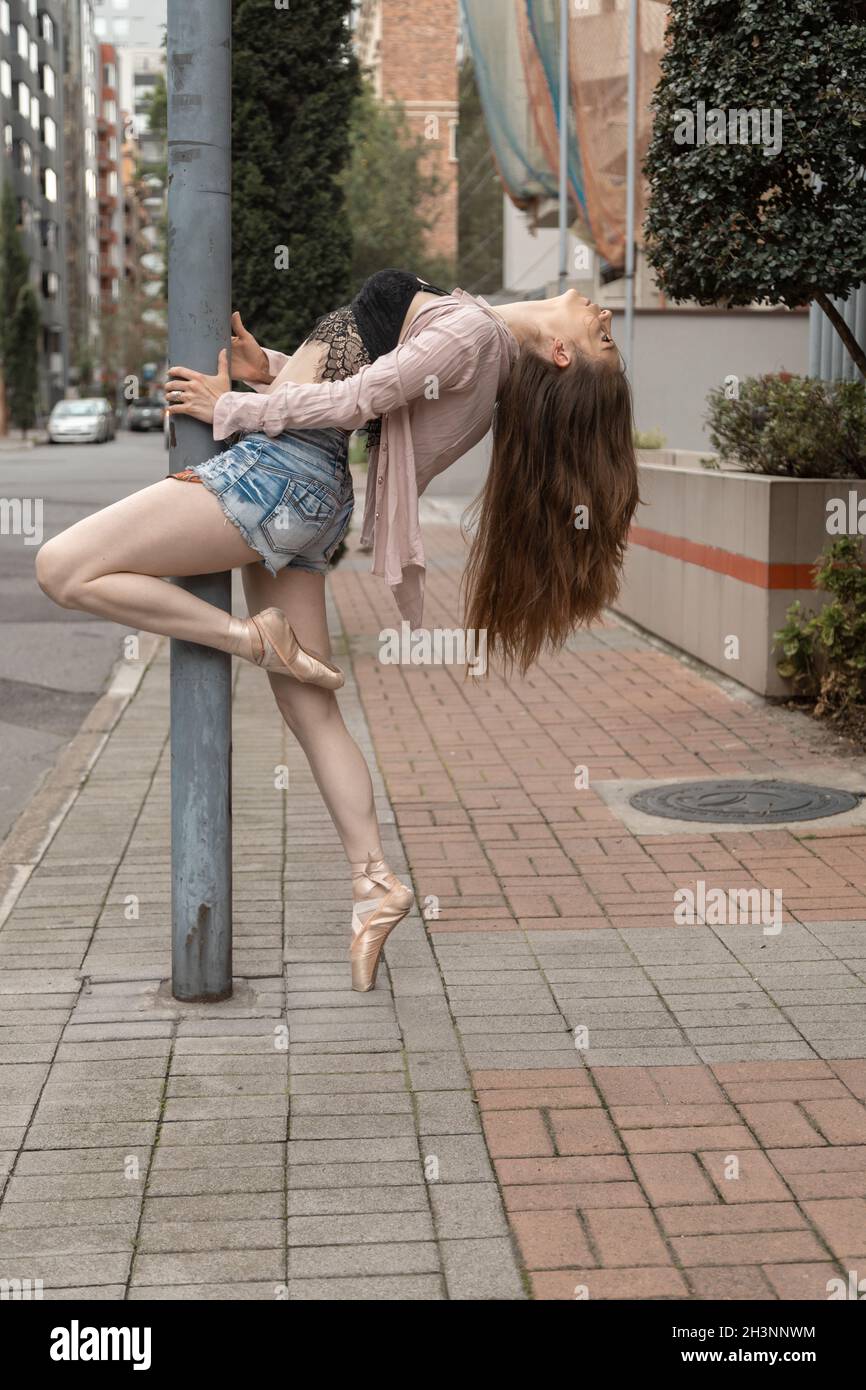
column 276, row 362
column 437, row 359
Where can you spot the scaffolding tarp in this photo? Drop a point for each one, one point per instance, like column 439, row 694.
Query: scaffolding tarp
column 522, row 112
column 492, row 28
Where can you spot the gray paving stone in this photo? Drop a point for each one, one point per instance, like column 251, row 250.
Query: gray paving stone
column 301, row 1151
column 387, row 1288
column 459, row 1158
column 356, row 1201
column 29, row 1241
column 233, row 1206
column 205, row 1181
column 159, row 1236
column 481, row 1269
column 379, row 1174
column 210, row 1267
column 463, row 1210
column 356, row 1126
column 359, row 1229
column 403, row 1257
column 447, row 1112
column 67, row 1271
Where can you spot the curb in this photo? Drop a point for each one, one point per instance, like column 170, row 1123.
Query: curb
column 26, row 843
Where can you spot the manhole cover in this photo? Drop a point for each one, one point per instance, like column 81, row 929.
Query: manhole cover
column 743, row 803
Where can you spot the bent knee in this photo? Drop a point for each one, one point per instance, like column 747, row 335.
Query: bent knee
column 55, row 573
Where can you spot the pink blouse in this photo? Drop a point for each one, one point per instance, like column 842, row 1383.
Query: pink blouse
column 436, row 393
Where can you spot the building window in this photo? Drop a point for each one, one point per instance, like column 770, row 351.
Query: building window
column 23, row 99
column 112, row 147
column 8, row 141
column 49, row 133
column 25, row 215
column 121, row 28
column 48, row 86
column 33, row 6
column 23, row 42
column 109, row 111
column 5, row 26
column 23, row 157
column 109, row 76
column 34, row 57
column 50, row 284
column 89, row 101
column 90, row 143
column 49, row 185
column 100, row 27
column 90, row 183
column 121, row 4
column 112, row 184
column 49, row 234
column 5, row 78
column 34, row 112
column 46, row 25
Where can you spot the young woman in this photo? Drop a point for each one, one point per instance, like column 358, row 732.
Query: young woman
column 427, row 372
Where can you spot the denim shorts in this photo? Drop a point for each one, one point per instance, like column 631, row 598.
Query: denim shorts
column 290, row 497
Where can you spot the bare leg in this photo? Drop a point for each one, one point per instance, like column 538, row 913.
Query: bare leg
column 113, row 562
column 313, row 714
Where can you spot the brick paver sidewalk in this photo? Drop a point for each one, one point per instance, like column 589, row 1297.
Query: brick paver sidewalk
column 710, row 1141
column 443, row 1137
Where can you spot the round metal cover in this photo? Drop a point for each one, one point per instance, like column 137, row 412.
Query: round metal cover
column 743, row 802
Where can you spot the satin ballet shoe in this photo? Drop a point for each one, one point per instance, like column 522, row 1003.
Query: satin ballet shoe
column 373, row 920
column 278, row 650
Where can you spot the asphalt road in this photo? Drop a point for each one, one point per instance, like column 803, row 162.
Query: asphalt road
column 54, row 664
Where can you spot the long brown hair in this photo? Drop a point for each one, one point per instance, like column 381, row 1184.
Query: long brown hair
column 562, row 440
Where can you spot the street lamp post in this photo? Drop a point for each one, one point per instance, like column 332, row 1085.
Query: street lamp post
column 564, row 92
column 630, row 188
column 199, row 313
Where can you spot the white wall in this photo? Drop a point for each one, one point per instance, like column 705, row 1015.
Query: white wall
column 679, row 356
column 681, row 353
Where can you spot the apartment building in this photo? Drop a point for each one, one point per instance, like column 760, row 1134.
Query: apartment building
column 31, row 125
column 408, row 48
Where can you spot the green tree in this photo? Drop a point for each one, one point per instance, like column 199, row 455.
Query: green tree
column 294, row 80
column 14, row 276
column 22, row 363
column 480, row 222
column 735, row 223
column 390, row 197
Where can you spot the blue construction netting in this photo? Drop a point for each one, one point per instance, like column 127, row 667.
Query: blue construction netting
column 492, row 29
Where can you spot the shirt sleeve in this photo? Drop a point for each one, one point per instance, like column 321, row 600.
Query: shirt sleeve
column 443, row 357
column 276, row 362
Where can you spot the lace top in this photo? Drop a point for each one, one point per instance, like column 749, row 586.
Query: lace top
column 369, row 327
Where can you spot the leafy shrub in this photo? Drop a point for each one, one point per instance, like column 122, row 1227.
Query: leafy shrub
column 649, row 439
column 824, row 654
column 794, row 426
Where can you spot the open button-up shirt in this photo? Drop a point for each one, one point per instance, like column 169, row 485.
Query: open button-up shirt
column 436, row 393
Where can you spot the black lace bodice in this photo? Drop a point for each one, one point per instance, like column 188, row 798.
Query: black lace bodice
column 369, row 327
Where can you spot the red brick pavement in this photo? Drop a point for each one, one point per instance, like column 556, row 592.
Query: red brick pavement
column 743, row 1180
column 640, row 1182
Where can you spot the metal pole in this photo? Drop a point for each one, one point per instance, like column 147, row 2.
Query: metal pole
column 630, row 180
column 564, row 85
column 199, row 297
column 816, row 315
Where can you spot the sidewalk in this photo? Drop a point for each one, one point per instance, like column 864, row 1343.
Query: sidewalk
column 443, row 1137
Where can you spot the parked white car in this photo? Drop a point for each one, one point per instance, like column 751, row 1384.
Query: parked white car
column 82, row 422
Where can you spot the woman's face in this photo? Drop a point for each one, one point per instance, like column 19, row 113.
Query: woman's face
column 572, row 321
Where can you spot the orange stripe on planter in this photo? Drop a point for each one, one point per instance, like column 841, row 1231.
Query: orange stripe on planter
column 711, row 557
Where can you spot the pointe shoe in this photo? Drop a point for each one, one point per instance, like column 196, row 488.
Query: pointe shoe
column 373, row 920
column 282, row 653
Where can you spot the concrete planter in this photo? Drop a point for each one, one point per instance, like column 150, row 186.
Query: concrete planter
column 716, row 558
